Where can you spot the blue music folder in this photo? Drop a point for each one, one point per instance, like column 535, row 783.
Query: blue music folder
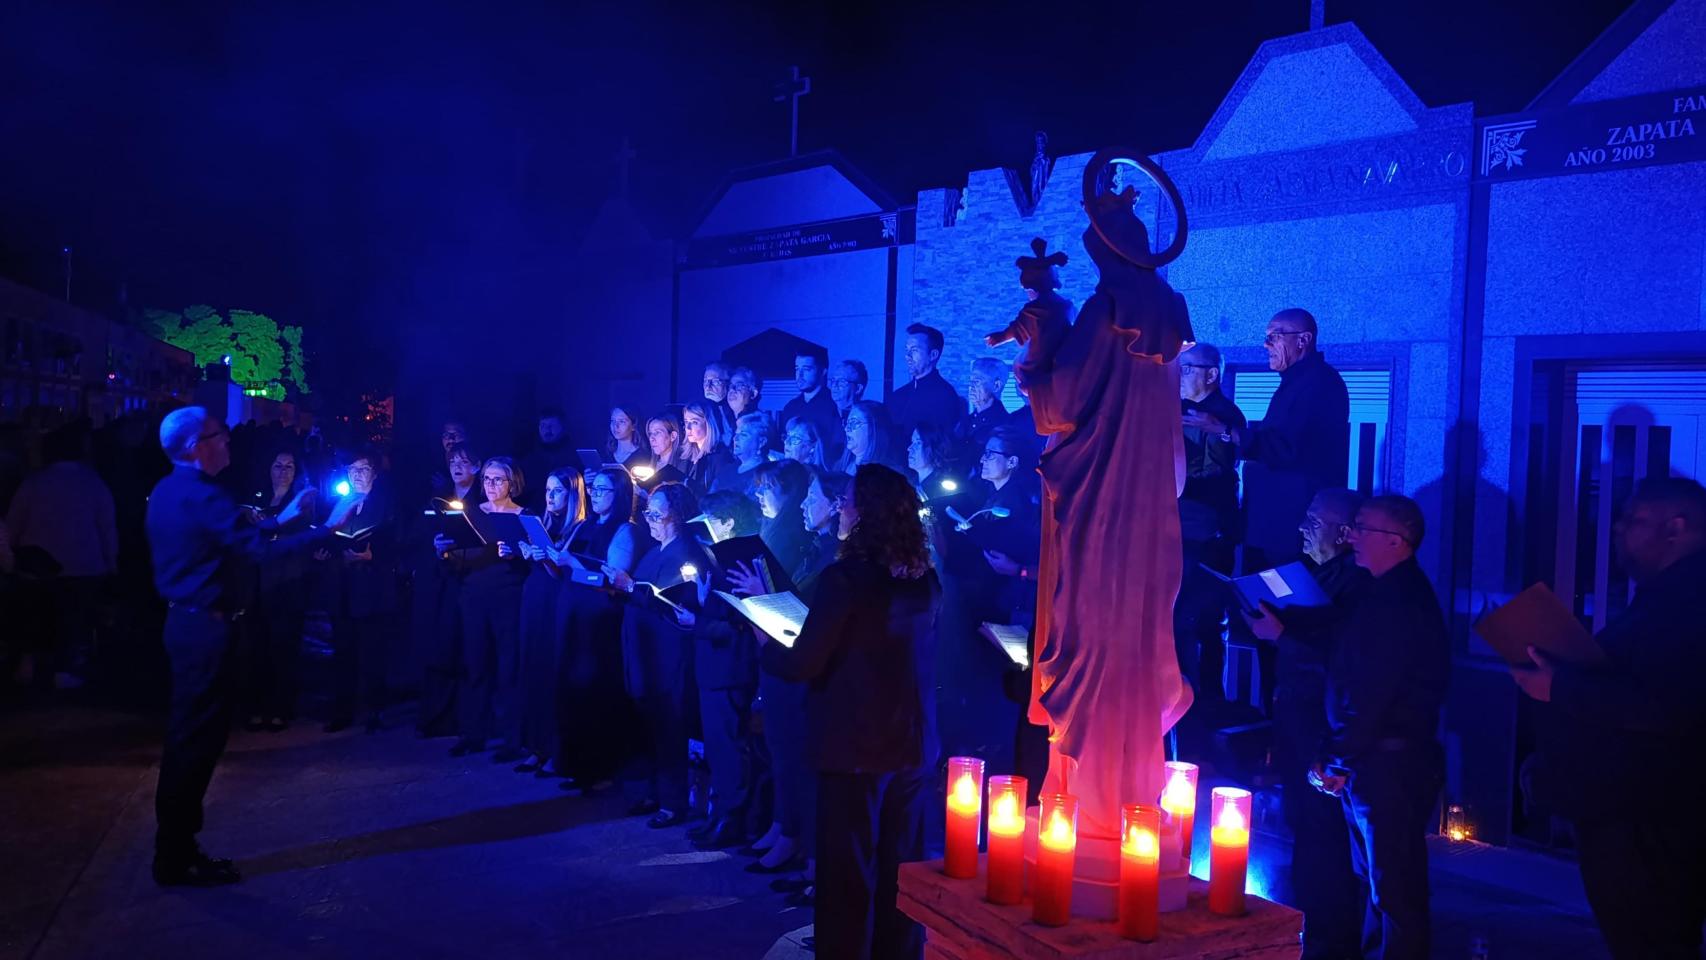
column 1287, row 585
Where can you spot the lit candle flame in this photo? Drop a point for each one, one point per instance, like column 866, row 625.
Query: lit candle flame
column 965, row 793
column 1005, row 813
column 1178, row 797
column 1232, row 819
column 456, row 505
column 1059, row 832
column 1143, row 844
column 950, row 486
column 643, row 473
column 689, row 571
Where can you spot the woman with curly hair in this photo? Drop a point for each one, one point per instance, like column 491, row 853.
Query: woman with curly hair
column 868, row 651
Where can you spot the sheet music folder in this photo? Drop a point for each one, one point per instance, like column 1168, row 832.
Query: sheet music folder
column 1012, row 639
column 1537, row 618
column 752, row 551
column 780, row 615
column 1287, row 585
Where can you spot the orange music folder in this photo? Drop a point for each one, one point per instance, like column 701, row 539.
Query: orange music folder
column 1537, row 618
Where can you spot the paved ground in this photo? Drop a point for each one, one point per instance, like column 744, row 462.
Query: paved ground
column 381, row 846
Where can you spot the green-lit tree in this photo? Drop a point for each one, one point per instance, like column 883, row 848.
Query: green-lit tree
column 263, row 355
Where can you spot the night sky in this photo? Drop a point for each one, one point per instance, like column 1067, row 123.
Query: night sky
column 365, row 170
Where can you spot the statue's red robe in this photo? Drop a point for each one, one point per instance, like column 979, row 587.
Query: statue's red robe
column 1105, row 391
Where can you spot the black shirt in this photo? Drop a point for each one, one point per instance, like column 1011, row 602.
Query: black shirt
column 868, row 651
column 1209, row 506
column 200, row 543
column 1301, row 446
column 972, row 432
column 1391, row 664
column 1638, row 714
column 928, row 399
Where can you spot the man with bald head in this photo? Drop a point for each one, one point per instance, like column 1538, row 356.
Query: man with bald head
column 201, row 544
column 1620, row 740
column 1299, row 447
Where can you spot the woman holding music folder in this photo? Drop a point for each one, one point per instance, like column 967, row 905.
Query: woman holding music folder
column 657, row 652
column 725, row 669
column 788, row 845
column 365, row 612
column 492, row 575
column 867, row 649
column 541, row 636
column 589, row 617
column 436, row 604
column 273, row 626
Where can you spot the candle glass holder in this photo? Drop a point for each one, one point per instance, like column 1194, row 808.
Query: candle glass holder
column 1140, row 872
column 1229, row 852
column 1006, row 867
column 1457, row 827
column 1179, row 800
column 964, row 817
column 1057, row 847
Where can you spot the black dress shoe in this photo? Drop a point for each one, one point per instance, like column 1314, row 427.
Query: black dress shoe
column 722, row 835
column 796, row 863
column 198, row 871
column 509, row 755
column 642, row 807
column 465, row 747
column 666, row 818
column 277, row 725
column 255, row 725
column 790, row 884
column 337, row 725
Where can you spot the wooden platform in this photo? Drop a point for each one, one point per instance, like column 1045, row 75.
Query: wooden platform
column 964, row 926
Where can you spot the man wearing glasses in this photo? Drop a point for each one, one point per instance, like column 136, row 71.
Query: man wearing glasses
column 1389, row 666
column 200, row 544
column 1208, row 525
column 716, row 387
column 1301, row 446
column 815, row 403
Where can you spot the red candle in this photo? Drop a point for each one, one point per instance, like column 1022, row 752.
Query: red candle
column 1179, row 799
column 1140, row 872
column 1057, row 843
column 1229, row 850
column 965, row 809
column 1006, row 840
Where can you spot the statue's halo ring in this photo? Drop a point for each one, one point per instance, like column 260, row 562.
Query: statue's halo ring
column 1111, row 156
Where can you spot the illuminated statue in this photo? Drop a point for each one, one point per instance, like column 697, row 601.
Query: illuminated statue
column 1105, row 392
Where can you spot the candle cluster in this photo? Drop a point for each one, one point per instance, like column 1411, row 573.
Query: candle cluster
column 1153, row 839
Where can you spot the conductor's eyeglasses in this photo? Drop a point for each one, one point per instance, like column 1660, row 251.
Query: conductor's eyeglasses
column 219, row 433
column 1274, row 336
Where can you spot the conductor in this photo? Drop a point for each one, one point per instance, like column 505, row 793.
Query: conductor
column 199, row 542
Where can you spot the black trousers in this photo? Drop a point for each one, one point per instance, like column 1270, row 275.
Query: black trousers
column 724, row 717
column 868, row 824
column 203, row 674
column 1387, row 805
column 1323, row 884
column 274, row 640
column 359, row 662
column 436, row 622
column 1643, row 879
column 1198, row 620
column 490, row 699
